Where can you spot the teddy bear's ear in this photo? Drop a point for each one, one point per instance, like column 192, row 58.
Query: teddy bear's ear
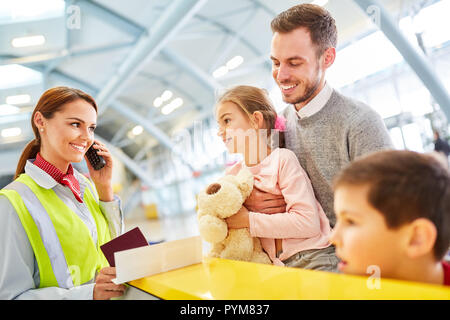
column 245, row 179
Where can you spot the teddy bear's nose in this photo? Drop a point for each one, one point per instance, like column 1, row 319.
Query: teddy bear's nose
column 213, row 188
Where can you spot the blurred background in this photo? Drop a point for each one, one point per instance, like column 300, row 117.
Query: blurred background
column 156, row 68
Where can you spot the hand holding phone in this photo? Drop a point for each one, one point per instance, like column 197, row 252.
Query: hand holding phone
column 96, row 161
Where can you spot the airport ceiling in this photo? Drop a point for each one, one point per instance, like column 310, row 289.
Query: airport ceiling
column 153, row 66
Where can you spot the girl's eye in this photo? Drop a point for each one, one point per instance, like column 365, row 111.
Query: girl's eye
column 226, row 121
column 92, row 129
column 75, row 124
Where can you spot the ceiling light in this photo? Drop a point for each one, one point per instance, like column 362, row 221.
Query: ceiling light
column 220, row 72
column 28, row 41
column 178, row 102
column 166, row 95
column 174, row 104
column 235, row 62
column 158, row 102
column 18, row 99
column 137, row 130
column 167, row 109
column 11, row 132
column 6, row 109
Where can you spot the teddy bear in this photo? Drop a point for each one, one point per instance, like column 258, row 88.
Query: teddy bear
column 221, row 200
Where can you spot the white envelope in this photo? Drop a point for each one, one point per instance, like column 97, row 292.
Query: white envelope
column 145, row 261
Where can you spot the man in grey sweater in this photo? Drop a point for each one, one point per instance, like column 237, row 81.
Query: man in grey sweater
column 325, row 129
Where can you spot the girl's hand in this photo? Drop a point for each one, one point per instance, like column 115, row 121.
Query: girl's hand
column 102, row 178
column 239, row 220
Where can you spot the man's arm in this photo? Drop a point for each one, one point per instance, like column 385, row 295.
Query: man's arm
column 263, row 202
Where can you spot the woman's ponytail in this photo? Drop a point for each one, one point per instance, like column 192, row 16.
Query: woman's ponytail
column 30, row 152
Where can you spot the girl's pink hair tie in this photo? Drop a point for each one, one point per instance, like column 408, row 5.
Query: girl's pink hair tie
column 280, row 124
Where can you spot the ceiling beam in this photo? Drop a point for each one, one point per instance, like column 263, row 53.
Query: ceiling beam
column 46, row 58
column 132, row 165
column 200, row 75
column 170, row 85
column 147, row 47
column 227, row 46
column 206, row 80
column 120, row 108
column 107, row 15
column 228, row 30
column 249, row 68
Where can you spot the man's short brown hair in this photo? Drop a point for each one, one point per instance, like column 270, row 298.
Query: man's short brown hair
column 317, row 20
column 405, row 186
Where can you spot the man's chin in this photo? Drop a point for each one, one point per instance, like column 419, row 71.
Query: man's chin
column 288, row 98
column 294, row 98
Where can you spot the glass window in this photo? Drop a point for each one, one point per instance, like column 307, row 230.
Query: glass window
column 397, row 139
column 386, row 104
column 417, row 102
column 363, row 58
column 413, row 138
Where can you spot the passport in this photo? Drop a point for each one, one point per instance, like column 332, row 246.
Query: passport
column 129, row 240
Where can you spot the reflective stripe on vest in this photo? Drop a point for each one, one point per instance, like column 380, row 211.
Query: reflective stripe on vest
column 47, row 232
column 64, row 259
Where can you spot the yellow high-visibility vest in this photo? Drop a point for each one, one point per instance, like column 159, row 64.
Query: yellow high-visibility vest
column 63, row 246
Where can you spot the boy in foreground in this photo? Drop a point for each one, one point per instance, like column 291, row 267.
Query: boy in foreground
column 393, row 212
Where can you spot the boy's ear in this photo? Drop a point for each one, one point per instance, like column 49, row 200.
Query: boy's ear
column 422, row 237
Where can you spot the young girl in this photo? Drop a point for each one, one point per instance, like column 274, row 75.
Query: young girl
column 248, row 124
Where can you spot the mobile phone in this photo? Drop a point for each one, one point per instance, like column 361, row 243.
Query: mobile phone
column 96, row 161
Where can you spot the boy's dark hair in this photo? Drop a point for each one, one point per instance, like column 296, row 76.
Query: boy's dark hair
column 317, row 20
column 405, row 186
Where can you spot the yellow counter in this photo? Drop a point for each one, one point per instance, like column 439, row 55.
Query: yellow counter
column 235, row 280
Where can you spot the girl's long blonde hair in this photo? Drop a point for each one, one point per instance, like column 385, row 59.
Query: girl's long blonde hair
column 251, row 99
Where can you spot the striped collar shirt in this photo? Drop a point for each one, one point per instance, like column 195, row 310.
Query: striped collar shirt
column 67, row 179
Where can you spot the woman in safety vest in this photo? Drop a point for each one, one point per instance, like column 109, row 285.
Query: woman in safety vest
column 53, row 219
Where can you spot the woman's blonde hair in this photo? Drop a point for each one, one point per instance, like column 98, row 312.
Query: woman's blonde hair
column 251, row 99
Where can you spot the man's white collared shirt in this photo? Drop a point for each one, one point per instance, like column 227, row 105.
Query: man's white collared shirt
column 317, row 103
